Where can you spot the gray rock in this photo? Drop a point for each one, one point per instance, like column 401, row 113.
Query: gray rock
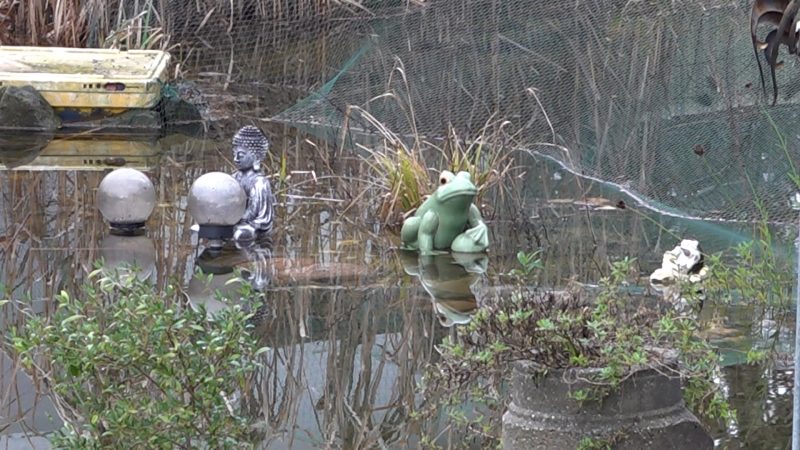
column 23, row 108
column 132, row 119
column 181, row 107
column 18, row 148
column 182, row 116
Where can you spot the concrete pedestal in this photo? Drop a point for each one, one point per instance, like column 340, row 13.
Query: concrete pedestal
column 646, row 412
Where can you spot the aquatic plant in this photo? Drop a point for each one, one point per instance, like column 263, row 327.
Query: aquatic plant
column 758, row 277
column 612, row 332
column 132, row 367
column 752, row 275
column 758, row 273
column 401, row 174
column 485, row 154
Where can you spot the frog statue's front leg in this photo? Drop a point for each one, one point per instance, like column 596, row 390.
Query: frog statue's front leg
column 418, row 233
column 427, row 232
column 476, row 238
column 409, row 233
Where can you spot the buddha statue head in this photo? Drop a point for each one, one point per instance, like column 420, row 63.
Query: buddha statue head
column 249, row 148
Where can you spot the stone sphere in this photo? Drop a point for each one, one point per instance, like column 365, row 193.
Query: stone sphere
column 217, row 199
column 126, row 196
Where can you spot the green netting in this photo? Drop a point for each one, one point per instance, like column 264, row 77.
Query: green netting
column 659, row 99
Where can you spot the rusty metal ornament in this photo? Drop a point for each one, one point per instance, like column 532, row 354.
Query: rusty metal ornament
column 782, row 15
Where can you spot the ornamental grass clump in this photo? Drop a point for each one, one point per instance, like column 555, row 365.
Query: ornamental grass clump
column 610, row 331
column 132, row 367
column 401, row 165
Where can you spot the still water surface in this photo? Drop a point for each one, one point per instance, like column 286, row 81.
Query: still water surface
column 350, row 320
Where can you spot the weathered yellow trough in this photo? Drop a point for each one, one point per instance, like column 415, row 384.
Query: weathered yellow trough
column 87, row 79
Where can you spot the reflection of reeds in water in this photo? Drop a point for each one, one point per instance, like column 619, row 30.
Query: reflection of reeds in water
column 763, row 410
column 342, row 368
column 49, row 228
column 23, row 405
column 52, row 233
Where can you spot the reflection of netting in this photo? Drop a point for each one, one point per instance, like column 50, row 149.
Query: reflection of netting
column 659, row 98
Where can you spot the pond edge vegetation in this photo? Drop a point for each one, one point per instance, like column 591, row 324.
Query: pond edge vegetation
column 129, row 366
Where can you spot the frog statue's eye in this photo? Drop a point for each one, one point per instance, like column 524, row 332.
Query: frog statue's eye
column 445, row 177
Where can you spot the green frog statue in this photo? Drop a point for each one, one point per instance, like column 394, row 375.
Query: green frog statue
column 447, row 220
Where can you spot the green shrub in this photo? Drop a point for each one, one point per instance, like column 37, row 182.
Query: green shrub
column 131, row 367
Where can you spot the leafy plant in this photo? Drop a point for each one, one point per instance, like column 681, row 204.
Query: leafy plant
column 131, row 367
column 589, row 443
column 759, row 277
column 529, row 263
column 753, row 276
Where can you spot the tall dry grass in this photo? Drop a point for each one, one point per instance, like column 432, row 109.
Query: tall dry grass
column 403, row 166
column 144, row 23
column 43, row 22
column 280, row 42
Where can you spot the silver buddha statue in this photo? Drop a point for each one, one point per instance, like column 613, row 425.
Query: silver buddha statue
column 249, row 150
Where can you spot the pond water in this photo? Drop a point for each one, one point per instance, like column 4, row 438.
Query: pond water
column 351, row 321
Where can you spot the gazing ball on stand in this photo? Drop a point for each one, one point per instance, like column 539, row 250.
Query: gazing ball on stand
column 217, row 203
column 126, row 199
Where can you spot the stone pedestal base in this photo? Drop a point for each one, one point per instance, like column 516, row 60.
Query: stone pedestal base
column 647, row 412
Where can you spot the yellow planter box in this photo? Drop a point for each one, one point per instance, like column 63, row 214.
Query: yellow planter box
column 87, row 78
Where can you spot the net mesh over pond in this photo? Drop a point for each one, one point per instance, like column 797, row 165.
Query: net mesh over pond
column 659, row 100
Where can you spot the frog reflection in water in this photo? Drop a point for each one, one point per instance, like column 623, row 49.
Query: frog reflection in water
column 451, row 280
column 249, row 150
column 447, row 220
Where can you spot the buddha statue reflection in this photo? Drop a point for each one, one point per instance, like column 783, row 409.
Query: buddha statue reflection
column 250, row 147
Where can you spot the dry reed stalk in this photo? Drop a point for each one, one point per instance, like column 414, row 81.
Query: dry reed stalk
column 194, row 31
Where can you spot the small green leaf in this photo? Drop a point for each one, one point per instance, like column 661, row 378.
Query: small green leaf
column 72, row 319
column 545, row 324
